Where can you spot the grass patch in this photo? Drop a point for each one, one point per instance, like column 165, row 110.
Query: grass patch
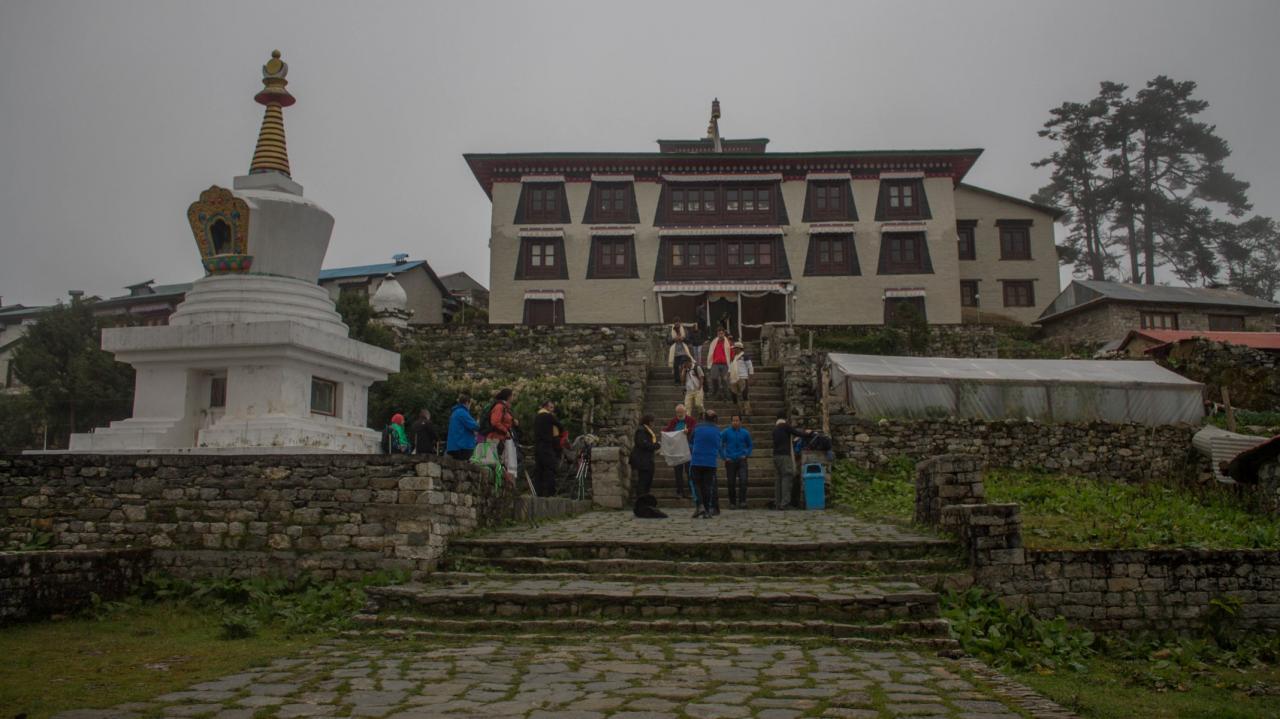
column 1224, row 673
column 1074, row 513
column 1246, row 419
column 886, row 494
column 130, row 653
column 172, row 634
column 1061, row 512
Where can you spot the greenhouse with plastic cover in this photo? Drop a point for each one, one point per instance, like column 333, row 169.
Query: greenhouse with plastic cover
column 1042, row 390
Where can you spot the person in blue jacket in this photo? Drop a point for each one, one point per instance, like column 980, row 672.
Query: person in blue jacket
column 735, row 447
column 704, row 450
column 462, row 430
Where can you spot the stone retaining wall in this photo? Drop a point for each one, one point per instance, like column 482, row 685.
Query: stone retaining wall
column 1115, row 589
column 1104, row 450
column 40, row 583
column 246, row 515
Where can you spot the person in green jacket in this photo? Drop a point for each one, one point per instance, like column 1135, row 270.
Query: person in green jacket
column 399, row 440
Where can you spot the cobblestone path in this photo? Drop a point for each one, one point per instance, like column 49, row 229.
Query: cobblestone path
column 627, row 678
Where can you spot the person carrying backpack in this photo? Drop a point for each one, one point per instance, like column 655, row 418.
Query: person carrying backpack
column 397, row 440
column 462, row 430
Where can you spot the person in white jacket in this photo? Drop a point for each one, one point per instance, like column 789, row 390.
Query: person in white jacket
column 740, row 371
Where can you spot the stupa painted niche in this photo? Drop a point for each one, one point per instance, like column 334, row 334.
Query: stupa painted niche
column 256, row 358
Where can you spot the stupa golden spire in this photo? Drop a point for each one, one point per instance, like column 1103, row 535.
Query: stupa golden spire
column 271, row 155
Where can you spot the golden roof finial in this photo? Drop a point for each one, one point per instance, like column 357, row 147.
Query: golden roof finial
column 271, row 154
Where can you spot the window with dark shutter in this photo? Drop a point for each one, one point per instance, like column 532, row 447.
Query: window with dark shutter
column 904, row 253
column 611, row 258
column 968, row 293
column 966, row 244
column 1226, row 323
column 1019, row 293
column 831, row 255
column 1015, row 242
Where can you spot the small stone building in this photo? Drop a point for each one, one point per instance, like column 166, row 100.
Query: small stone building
column 429, row 301
column 1097, row 311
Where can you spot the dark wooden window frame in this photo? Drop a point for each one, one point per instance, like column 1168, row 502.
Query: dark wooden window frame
column 612, row 202
column 829, row 201
column 218, row 392
column 557, row 311
column 1013, row 290
column 1216, row 319
column 685, row 258
column 970, row 296
column 1147, row 320
column 894, row 248
column 531, row 247
column 886, row 211
column 332, row 411
column 1015, row 239
column 728, row 199
column 967, row 239
column 821, row 259
column 533, row 208
column 604, row 247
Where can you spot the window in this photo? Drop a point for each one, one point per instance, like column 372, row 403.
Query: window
column 1019, row 293
column 965, row 232
column 904, row 310
column 354, row 288
column 1159, row 320
column 902, row 199
column 217, row 392
column 543, row 202
column 904, row 253
column 611, row 257
column 543, row 312
column 613, row 202
column 831, row 255
column 1015, row 242
column 324, row 396
column 719, row 204
column 968, row 293
column 541, row 259
column 1226, row 323
column 720, row 258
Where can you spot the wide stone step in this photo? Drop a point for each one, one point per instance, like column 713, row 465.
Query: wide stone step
column 848, row 601
column 943, row 576
column 708, row 550
column 822, row 568
column 930, row 634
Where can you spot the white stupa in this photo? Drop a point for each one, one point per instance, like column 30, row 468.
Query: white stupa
column 256, row 357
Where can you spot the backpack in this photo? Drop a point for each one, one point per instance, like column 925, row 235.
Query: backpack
column 486, row 426
column 646, row 507
column 385, row 442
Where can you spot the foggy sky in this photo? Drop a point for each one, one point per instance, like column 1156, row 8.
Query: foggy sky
column 115, row 115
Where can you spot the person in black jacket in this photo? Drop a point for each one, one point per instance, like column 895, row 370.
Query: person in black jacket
column 546, row 449
column 783, row 463
column 646, row 443
column 424, row 435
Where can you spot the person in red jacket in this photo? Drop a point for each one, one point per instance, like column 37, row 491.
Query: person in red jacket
column 686, row 422
column 719, row 355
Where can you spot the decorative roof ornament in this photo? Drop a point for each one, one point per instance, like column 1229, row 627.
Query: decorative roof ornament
column 713, row 127
column 220, row 223
column 271, row 155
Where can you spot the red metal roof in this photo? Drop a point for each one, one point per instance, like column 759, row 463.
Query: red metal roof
column 1257, row 340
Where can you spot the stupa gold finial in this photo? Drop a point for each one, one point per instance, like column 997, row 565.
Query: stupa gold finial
column 271, row 154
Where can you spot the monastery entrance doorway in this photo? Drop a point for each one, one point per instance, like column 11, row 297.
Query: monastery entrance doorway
column 745, row 311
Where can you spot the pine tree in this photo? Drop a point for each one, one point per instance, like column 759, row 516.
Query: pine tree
column 1077, row 183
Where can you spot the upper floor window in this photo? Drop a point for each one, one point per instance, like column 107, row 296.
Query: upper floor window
column 542, row 202
column 611, row 202
column 1019, row 293
column 541, row 258
column 965, row 233
column 1015, row 241
column 829, row 200
column 902, row 200
column 722, row 257
column 728, row 204
column 831, row 255
column 1159, row 320
column 904, row 253
column 611, row 257
column 968, row 293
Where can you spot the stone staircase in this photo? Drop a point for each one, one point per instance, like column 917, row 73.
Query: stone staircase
column 766, row 401
column 853, row 588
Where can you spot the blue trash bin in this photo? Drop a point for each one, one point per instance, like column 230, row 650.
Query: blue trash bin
column 815, row 489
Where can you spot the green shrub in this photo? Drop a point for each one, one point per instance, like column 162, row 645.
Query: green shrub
column 1013, row 638
column 881, row 494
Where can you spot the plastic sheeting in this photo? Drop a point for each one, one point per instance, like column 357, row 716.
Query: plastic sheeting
column 1043, row 390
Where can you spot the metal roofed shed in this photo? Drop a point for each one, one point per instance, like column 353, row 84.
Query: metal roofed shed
column 1041, row 390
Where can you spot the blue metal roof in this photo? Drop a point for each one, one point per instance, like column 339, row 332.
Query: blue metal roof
column 369, row 270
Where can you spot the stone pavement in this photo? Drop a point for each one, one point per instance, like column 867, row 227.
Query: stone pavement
column 623, row 678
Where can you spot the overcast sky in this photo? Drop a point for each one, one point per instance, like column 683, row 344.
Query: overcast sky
column 115, row 115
